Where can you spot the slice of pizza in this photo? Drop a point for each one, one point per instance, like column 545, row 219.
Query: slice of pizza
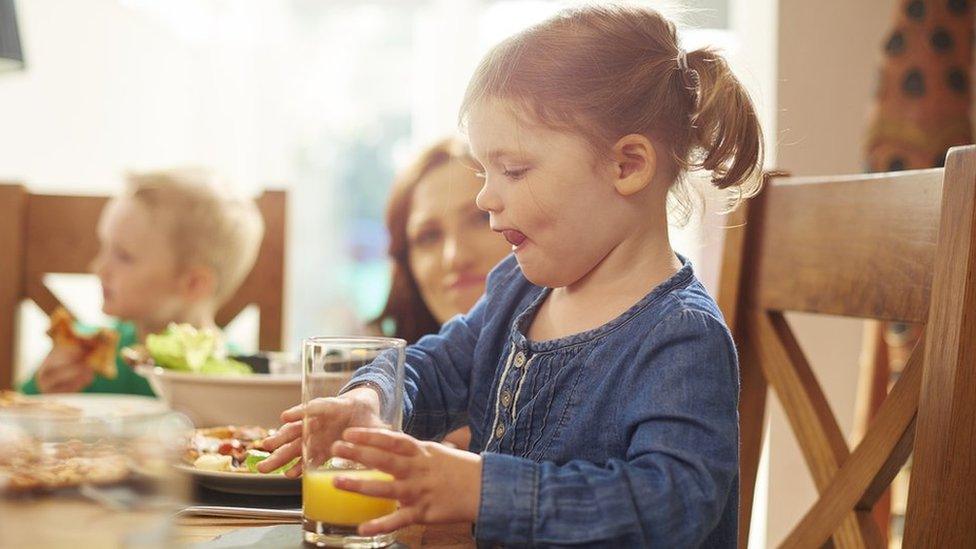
column 98, row 349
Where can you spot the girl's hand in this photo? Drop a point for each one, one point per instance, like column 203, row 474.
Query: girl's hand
column 433, row 483
column 63, row 371
column 328, row 417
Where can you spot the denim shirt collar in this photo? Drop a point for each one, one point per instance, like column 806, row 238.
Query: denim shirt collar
column 682, row 278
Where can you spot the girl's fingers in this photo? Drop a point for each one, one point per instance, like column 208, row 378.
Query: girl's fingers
column 295, row 471
column 295, row 413
column 391, row 441
column 400, row 519
column 325, row 406
column 375, row 488
column 286, row 433
column 281, row 456
column 374, row 458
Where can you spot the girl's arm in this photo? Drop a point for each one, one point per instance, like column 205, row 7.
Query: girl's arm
column 676, row 480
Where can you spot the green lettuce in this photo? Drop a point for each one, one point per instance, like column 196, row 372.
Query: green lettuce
column 185, row 348
column 257, row 456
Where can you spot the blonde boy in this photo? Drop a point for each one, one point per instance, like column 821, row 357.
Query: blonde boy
column 175, row 246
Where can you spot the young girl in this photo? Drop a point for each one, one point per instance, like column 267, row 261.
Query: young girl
column 597, row 375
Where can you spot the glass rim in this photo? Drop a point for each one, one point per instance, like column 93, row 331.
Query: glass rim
column 375, row 341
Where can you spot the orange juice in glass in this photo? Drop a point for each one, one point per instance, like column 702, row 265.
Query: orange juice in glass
column 323, row 502
column 332, row 516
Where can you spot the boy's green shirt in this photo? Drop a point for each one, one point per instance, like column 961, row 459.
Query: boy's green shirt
column 126, row 382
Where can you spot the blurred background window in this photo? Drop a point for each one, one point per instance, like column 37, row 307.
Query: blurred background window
column 323, row 98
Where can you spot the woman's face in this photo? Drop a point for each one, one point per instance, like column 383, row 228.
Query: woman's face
column 452, row 248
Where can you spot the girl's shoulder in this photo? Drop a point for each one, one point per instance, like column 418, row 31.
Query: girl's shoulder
column 693, row 299
column 506, row 284
column 505, row 273
column 690, row 315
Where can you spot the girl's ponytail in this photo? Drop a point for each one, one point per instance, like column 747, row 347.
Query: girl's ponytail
column 726, row 129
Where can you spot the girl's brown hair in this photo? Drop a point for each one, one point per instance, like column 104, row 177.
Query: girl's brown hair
column 405, row 307
column 610, row 71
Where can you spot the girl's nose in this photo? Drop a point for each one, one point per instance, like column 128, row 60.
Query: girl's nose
column 487, row 199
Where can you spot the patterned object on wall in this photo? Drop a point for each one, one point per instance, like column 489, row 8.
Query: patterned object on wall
column 923, row 107
column 924, row 96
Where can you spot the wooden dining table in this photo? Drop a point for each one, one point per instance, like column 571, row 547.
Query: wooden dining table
column 192, row 530
column 81, row 522
column 195, row 529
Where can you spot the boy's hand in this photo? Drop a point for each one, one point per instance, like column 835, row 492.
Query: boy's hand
column 328, row 418
column 433, row 483
column 64, row 371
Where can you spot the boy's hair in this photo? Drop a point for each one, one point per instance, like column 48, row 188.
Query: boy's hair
column 609, row 71
column 209, row 225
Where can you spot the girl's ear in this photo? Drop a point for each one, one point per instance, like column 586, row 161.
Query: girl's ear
column 636, row 164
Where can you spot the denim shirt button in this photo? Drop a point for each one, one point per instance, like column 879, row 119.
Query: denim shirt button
column 520, row 359
column 499, row 431
column 506, row 398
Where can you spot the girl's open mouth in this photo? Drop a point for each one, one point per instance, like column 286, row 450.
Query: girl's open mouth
column 515, row 238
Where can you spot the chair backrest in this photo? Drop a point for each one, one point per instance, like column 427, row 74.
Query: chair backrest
column 894, row 246
column 41, row 234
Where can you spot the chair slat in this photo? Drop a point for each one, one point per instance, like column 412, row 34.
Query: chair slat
column 813, row 423
column 796, row 386
column 61, row 233
column 870, row 466
column 861, row 248
column 13, row 211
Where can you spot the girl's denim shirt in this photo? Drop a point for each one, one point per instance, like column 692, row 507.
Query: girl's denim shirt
column 621, row 436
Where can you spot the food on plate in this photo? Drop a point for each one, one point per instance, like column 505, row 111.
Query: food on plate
column 98, row 348
column 211, row 462
column 11, row 401
column 28, row 465
column 229, row 448
column 185, row 348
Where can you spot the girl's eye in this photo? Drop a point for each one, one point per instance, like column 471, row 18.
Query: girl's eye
column 515, row 174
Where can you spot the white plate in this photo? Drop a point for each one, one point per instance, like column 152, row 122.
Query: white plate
column 244, row 483
column 95, row 405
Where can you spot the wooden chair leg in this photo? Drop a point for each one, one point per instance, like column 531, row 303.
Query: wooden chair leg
column 942, row 498
column 875, row 372
column 752, row 408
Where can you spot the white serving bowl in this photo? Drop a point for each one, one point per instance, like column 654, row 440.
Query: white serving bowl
column 256, row 399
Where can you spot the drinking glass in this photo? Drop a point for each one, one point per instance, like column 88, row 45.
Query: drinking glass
column 331, row 516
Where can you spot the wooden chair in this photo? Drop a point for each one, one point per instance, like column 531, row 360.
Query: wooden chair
column 42, row 234
column 893, row 246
